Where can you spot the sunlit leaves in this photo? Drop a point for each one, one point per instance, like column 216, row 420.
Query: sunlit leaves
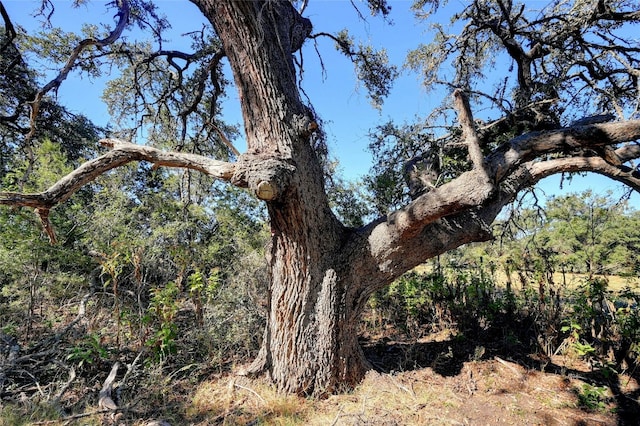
column 585, row 233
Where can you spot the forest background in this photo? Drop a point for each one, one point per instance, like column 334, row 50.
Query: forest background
column 173, row 286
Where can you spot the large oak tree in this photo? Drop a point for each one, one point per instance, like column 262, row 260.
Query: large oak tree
column 568, row 60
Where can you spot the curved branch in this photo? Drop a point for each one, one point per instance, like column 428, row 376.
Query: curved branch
column 475, row 188
column 121, row 153
column 543, row 169
column 462, row 210
column 526, row 147
column 210, row 68
column 123, row 14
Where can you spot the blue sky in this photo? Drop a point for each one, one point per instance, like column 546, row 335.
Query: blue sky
column 335, row 94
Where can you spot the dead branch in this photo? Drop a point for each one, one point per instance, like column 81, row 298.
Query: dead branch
column 73, row 417
column 225, row 140
column 43, row 214
column 105, row 402
column 122, row 153
column 248, row 389
column 12, row 350
column 63, row 389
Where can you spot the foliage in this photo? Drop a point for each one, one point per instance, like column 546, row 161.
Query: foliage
column 592, row 397
column 372, row 67
column 559, row 71
column 582, row 233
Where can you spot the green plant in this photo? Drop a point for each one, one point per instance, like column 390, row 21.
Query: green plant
column 162, row 310
column 202, row 288
column 592, row 398
column 88, row 350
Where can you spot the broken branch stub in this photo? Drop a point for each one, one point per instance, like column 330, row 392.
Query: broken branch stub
column 266, row 177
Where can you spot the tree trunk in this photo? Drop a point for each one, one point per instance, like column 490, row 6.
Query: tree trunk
column 311, row 339
column 310, row 343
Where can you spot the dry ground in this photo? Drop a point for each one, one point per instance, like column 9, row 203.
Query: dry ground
column 490, row 390
column 449, row 384
column 437, row 380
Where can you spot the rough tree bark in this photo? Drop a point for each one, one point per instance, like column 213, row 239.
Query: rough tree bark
column 322, row 273
column 310, row 342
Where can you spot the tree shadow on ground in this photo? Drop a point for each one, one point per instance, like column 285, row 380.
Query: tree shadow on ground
column 448, row 356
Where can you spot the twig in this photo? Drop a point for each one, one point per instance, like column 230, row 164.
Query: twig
column 123, row 15
column 252, row 391
column 131, row 367
column 225, row 140
column 73, row 417
column 12, row 358
column 506, row 364
column 401, row 387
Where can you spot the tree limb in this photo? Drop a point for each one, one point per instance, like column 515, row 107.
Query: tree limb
column 461, row 210
column 468, row 190
column 543, row 169
column 531, row 145
column 9, row 30
column 469, row 135
column 122, row 153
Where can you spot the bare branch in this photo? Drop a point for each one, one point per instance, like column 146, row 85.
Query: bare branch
column 123, row 14
column 526, row 147
column 543, row 169
column 121, row 153
column 469, row 135
column 9, row 30
column 225, row 140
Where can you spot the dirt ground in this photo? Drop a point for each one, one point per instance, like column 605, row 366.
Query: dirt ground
column 492, row 392
column 487, row 390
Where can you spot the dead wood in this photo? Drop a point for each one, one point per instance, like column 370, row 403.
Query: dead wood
column 105, row 401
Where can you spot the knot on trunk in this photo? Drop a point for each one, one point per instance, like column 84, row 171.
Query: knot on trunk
column 266, row 176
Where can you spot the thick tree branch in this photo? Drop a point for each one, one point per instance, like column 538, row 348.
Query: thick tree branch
column 625, row 175
column 526, row 147
column 123, row 14
column 381, row 256
column 468, row 190
column 431, row 224
column 121, row 153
